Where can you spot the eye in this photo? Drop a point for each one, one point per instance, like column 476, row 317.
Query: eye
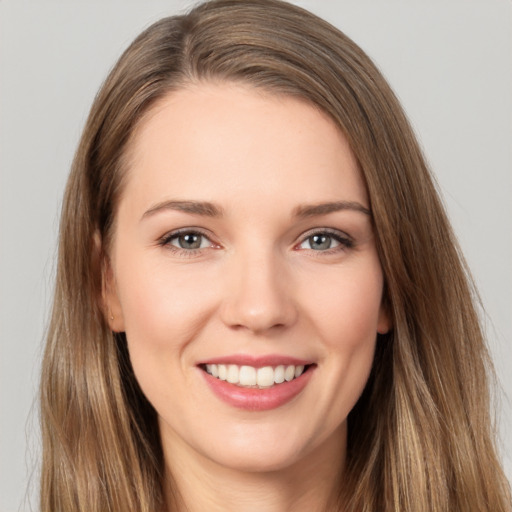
column 187, row 241
column 325, row 240
column 190, row 240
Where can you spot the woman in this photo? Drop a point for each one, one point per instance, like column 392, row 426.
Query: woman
column 254, row 274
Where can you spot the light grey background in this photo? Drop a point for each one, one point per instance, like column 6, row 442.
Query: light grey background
column 449, row 61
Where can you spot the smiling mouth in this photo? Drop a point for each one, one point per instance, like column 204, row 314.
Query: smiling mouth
column 257, row 378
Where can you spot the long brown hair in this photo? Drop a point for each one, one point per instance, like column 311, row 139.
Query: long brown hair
column 420, row 437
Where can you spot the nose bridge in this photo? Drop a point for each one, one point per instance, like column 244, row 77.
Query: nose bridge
column 258, row 296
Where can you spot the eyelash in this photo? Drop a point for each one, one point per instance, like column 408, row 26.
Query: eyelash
column 166, row 240
column 345, row 242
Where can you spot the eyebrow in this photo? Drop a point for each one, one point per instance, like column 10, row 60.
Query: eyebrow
column 208, row 209
column 195, row 207
column 308, row 210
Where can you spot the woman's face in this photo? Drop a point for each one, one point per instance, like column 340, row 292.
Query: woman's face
column 244, row 251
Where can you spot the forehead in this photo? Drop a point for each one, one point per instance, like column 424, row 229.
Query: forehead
column 225, row 140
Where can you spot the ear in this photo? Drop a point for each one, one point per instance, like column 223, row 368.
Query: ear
column 113, row 307
column 384, row 322
column 111, row 304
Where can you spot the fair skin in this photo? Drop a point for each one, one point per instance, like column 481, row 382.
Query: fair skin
column 243, row 238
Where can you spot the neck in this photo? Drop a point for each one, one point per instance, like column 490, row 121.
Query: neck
column 195, row 483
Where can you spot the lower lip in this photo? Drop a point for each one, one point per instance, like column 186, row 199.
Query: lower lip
column 254, row 399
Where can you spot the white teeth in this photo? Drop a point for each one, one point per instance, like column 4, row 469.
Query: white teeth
column 249, row 376
column 265, row 377
column 279, row 374
column 289, row 373
column 223, row 371
column 212, row 369
column 233, row 372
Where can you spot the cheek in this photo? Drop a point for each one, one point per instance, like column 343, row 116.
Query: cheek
column 163, row 312
column 346, row 315
column 157, row 302
column 346, row 309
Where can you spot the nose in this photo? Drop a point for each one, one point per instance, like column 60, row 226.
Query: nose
column 259, row 295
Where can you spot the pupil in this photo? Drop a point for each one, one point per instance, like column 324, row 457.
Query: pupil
column 318, row 242
column 190, row 241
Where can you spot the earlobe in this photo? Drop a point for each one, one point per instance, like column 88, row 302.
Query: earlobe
column 111, row 305
column 113, row 308
column 384, row 323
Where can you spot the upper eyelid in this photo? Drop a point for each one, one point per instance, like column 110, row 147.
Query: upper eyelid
column 165, row 240
column 328, row 231
column 207, row 234
column 344, row 240
column 180, row 231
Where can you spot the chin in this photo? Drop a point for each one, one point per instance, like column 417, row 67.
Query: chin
column 254, row 459
column 267, row 447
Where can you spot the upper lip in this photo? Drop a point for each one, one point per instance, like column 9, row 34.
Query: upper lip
column 257, row 361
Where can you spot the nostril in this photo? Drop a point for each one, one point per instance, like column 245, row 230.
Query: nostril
column 250, row 326
column 258, row 301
